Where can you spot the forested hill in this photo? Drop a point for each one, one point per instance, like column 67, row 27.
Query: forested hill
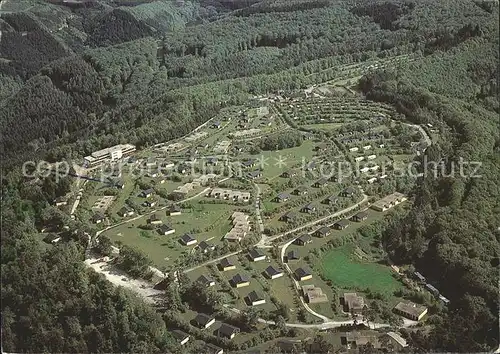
column 452, row 233
column 58, row 91
column 74, row 79
column 35, row 32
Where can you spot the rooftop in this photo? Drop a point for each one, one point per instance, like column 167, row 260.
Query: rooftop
column 324, row 230
column 410, row 308
column 227, row 329
column 305, row 238
column 353, row 301
column 212, row 349
column 293, row 255
column 239, row 279
column 165, row 228
column 203, row 319
column 361, row 215
column 204, row 279
column 400, row 340
column 342, row 222
column 273, row 271
column 256, row 253
column 179, row 335
column 302, row 272
column 204, row 245
column 226, row 262
column 187, row 238
column 254, row 296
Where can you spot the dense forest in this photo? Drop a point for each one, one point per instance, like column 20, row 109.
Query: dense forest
column 451, row 234
column 76, row 79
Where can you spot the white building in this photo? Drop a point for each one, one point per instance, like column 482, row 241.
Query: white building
column 113, row 153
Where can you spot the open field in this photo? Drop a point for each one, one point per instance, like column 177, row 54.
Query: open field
column 346, row 271
column 203, row 221
column 318, row 265
column 277, row 162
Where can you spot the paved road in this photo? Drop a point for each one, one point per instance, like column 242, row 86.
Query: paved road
column 212, row 261
column 297, row 285
column 426, row 137
column 265, row 240
column 257, row 208
column 325, row 325
column 327, row 322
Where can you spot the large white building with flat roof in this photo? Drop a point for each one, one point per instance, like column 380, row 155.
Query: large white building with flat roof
column 112, row 153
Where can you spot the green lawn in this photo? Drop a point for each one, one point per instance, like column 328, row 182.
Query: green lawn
column 256, row 283
column 205, row 221
column 290, row 158
column 345, row 271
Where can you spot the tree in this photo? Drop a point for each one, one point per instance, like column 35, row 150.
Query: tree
column 251, row 317
column 321, row 345
column 104, row 246
column 281, row 325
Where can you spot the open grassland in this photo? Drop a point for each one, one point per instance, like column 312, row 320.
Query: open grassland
column 204, row 221
column 277, row 162
column 346, row 271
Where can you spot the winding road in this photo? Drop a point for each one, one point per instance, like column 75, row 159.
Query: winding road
column 426, row 137
column 296, row 283
column 324, row 325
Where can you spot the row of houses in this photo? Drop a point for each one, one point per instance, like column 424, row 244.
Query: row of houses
column 246, row 132
column 326, row 230
column 241, row 227
column 368, row 137
column 368, row 158
column 431, row 288
column 389, row 201
column 204, row 321
column 228, row 194
column 303, row 190
column 200, row 181
column 253, row 298
column 196, row 136
column 222, row 147
column 241, row 280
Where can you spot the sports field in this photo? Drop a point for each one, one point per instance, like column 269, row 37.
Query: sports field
column 342, row 268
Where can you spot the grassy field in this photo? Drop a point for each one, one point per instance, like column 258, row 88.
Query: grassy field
column 291, row 157
column 205, row 221
column 350, row 281
column 346, row 271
